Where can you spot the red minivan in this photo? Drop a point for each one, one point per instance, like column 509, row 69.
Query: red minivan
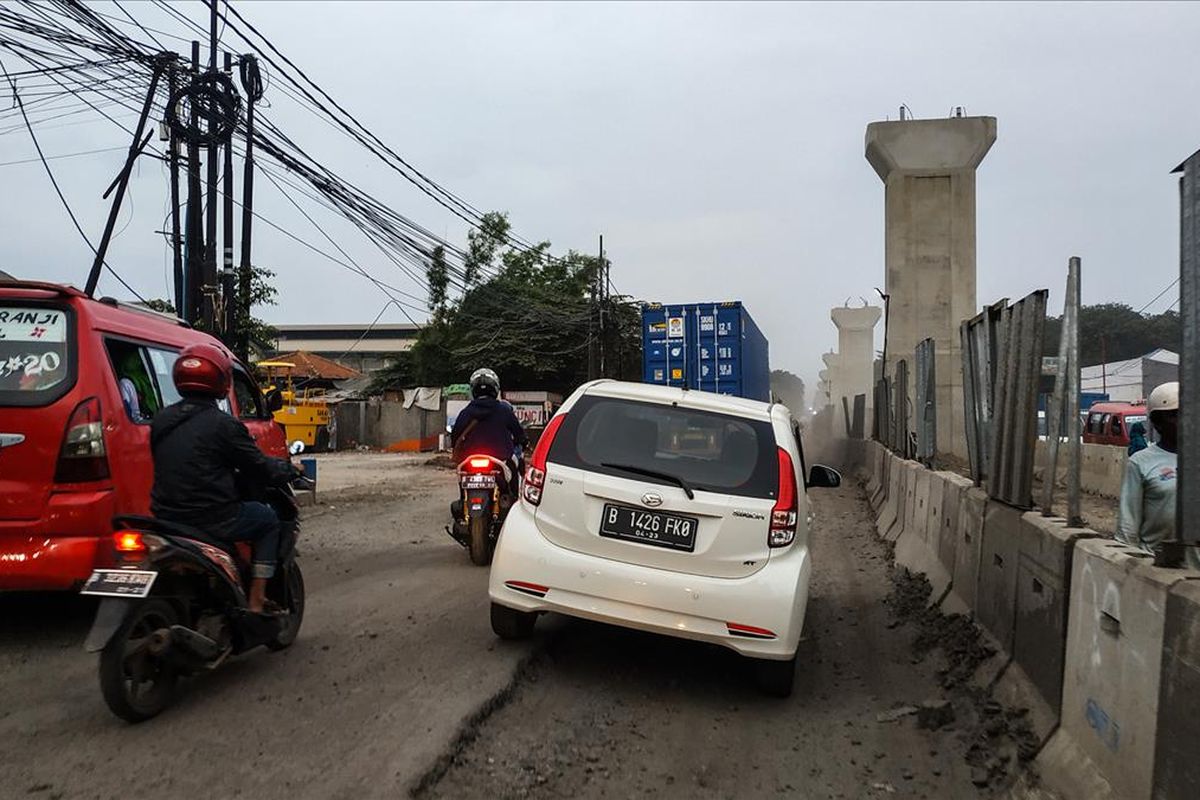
column 80, row 380
column 1109, row 423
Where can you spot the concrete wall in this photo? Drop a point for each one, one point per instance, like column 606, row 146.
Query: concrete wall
column 1101, row 647
column 1102, row 467
column 388, row 425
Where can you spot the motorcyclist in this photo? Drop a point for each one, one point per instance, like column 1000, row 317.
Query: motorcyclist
column 200, row 451
column 488, row 426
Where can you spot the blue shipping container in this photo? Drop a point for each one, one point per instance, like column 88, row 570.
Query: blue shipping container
column 711, row 347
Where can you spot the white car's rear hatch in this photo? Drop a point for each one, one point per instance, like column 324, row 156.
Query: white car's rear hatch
column 662, row 485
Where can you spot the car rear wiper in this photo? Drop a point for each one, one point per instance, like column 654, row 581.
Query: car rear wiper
column 653, row 473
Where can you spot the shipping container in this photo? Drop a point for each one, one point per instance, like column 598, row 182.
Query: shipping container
column 711, row 347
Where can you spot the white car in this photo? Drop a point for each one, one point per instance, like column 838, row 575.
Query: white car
column 673, row 511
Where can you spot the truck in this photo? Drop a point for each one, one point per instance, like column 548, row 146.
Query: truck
column 709, row 347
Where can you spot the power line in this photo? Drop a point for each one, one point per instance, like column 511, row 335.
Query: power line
column 1170, row 286
column 50, row 174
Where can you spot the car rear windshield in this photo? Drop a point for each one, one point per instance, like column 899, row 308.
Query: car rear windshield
column 36, row 354
column 710, row 451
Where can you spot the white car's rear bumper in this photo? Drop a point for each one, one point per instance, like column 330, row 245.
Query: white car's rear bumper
column 772, row 600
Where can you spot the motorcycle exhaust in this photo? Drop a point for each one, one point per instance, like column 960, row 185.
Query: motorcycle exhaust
column 183, row 646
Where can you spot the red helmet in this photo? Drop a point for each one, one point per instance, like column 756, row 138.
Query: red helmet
column 203, row 369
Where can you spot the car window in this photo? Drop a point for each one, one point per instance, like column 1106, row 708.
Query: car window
column 1104, row 424
column 249, row 401
column 1094, row 424
column 711, row 451
column 162, row 362
column 800, row 450
column 37, row 354
column 136, row 379
column 1116, row 425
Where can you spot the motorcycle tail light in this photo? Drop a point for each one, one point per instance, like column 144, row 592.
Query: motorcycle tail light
column 129, row 542
column 479, row 463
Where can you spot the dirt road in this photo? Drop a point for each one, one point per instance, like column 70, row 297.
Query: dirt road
column 398, row 684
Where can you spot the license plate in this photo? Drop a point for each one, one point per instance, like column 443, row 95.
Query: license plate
column 120, row 582
column 649, row 527
column 479, row 481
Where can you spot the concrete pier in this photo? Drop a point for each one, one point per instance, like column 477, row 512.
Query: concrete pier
column 928, row 170
column 856, row 354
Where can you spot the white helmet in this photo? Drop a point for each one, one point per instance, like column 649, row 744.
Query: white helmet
column 1165, row 397
column 485, row 382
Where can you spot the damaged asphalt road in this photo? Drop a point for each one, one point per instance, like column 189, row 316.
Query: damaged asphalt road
column 398, row 686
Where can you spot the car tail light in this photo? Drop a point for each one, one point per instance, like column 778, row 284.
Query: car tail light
column 783, row 515
column 479, row 463
column 83, row 456
column 535, row 474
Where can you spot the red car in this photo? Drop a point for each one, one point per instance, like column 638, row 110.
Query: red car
column 1109, row 423
column 80, row 380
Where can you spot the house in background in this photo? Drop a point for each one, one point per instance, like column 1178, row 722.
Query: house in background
column 1133, row 379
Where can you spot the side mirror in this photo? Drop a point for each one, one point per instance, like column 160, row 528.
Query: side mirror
column 297, row 448
column 274, row 400
column 822, row 477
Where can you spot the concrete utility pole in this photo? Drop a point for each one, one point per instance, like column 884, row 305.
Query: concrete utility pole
column 928, row 170
column 1187, row 515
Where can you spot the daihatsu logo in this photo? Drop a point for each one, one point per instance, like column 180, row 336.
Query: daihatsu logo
column 651, row 499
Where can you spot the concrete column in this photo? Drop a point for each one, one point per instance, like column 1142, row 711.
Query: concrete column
column 833, row 381
column 928, row 170
column 856, row 352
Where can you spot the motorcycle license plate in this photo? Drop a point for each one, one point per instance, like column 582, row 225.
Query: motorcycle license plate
column 119, row 582
column 479, row 481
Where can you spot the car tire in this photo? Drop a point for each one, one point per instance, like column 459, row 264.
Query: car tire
column 775, row 678
column 508, row 623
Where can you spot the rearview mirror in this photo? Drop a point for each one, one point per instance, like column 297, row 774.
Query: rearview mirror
column 297, row 448
column 274, row 400
column 823, row 477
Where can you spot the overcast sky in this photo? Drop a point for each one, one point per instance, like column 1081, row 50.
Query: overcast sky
column 718, row 148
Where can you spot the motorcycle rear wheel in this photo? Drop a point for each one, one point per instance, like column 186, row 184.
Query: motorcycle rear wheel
column 137, row 685
column 480, row 542
column 295, row 608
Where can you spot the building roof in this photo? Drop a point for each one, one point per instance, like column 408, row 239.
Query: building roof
column 311, row 365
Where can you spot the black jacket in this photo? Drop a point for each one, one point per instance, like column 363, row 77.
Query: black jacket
column 495, row 433
column 198, row 451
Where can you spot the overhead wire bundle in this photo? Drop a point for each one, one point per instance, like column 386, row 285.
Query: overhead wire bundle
column 83, row 60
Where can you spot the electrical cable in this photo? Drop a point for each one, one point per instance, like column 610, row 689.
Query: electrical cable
column 58, row 190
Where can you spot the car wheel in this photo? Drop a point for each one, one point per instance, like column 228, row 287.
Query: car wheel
column 775, row 678
column 508, row 623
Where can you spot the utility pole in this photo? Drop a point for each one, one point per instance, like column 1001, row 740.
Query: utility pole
column 592, row 326
column 227, row 278
column 122, row 181
column 603, row 278
column 252, row 85
column 194, row 278
column 210, row 223
column 173, row 161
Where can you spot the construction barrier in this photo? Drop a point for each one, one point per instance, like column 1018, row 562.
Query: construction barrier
column 1102, row 647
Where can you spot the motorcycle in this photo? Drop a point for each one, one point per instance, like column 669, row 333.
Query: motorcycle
column 175, row 605
column 487, row 489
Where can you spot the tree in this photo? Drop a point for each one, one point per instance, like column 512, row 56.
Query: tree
column 1114, row 332
column 523, row 313
column 260, row 334
column 789, row 388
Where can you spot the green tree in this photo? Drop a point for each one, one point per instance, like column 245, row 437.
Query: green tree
column 789, row 388
column 523, row 313
column 1114, row 332
column 260, row 334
